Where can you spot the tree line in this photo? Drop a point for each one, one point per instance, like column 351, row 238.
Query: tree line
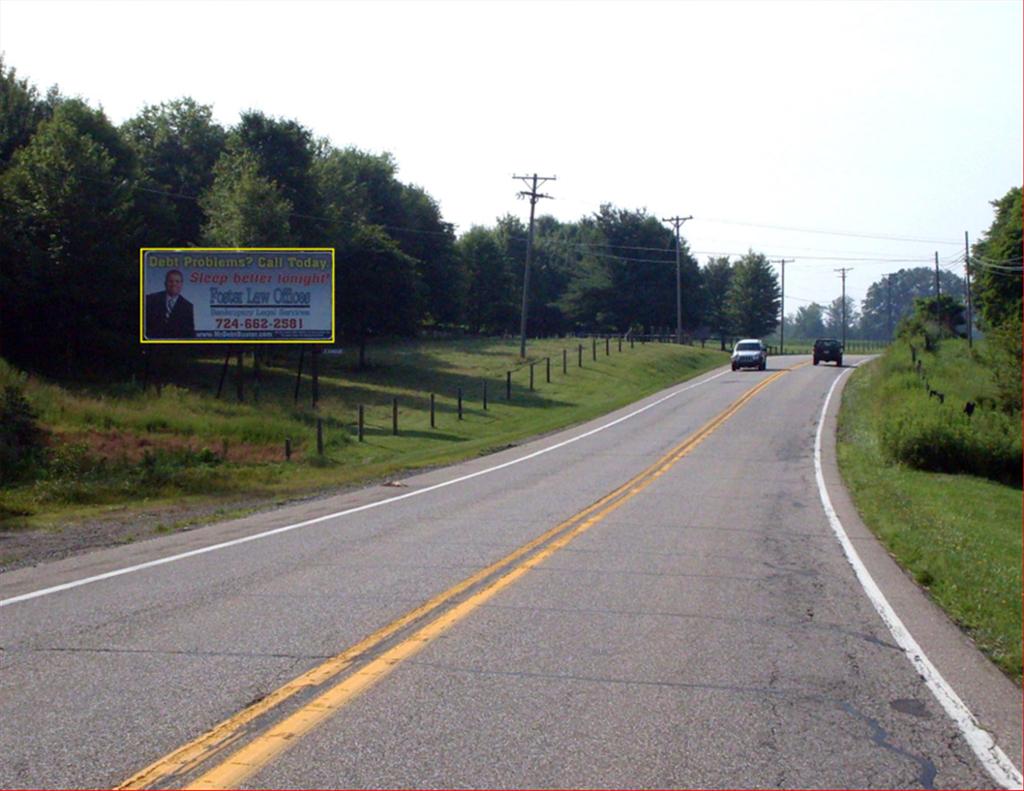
column 79, row 196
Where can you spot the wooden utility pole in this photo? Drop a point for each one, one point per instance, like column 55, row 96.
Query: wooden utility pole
column 888, row 300
column 533, row 182
column 970, row 312
column 782, row 306
column 677, row 223
column 842, row 273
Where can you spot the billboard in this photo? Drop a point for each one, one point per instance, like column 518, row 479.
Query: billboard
column 236, row 295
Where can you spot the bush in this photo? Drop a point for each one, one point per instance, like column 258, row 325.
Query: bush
column 1003, row 353
column 22, row 441
column 940, row 438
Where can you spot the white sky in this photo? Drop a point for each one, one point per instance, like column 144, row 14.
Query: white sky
column 883, row 119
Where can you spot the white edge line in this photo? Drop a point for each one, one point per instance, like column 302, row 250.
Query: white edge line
column 284, row 529
column 995, row 761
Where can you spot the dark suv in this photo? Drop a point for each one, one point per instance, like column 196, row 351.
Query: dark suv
column 828, row 350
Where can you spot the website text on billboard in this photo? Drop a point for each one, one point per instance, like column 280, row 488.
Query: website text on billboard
column 245, row 295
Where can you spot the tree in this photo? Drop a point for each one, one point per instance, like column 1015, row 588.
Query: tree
column 284, row 151
column 72, row 231
column 178, row 145
column 489, row 306
column 716, row 278
column 903, row 287
column 21, row 112
column 834, row 317
column 754, row 296
column 996, row 263
column 424, row 235
column 368, row 186
column 244, row 209
column 626, row 276
column 377, row 291
column 809, row 321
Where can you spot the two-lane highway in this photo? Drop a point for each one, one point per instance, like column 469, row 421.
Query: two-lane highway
column 655, row 598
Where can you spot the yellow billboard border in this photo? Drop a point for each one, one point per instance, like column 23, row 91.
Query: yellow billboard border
column 229, row 341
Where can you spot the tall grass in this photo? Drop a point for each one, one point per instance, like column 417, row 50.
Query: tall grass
column 926, row 432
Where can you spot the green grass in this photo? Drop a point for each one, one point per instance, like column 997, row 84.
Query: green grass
column 186, row 427
column 958, row 535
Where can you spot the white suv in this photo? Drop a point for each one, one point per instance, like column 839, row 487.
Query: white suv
column 750, row 353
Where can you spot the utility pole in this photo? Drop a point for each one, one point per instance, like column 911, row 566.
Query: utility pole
column 938, row 292
column 967, row 271
column 533, row 182
column 842, row 273
column 782, row 307
column 888, row 300
column 677, row 222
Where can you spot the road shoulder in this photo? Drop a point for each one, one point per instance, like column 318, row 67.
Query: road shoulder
column 994, row 699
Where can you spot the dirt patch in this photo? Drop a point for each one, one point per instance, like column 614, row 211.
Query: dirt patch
column 128, row 447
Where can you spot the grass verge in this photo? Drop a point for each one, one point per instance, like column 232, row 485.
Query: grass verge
column 115, row 446
column 958, row 535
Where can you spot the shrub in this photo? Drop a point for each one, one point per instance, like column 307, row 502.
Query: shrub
column 22, row 441
column 940, row 438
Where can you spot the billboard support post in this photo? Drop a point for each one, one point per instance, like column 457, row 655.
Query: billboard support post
column 316, row 377
column 256, row 374
column 239, row 381
column 224, row 372
column 298, row 374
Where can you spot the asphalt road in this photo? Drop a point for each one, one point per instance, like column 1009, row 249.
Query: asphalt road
column 698, row 627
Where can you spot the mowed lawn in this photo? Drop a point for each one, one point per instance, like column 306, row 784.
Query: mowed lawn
column 113, row 446
column 959, row 535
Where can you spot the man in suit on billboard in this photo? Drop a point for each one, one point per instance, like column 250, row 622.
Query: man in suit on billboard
column 168, row 313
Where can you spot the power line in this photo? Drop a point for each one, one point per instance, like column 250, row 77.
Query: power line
column 854, row 234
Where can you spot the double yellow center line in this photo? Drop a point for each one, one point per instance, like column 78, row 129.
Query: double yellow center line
column 381, row 651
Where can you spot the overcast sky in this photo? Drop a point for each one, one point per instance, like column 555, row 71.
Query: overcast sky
column 876, row 120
